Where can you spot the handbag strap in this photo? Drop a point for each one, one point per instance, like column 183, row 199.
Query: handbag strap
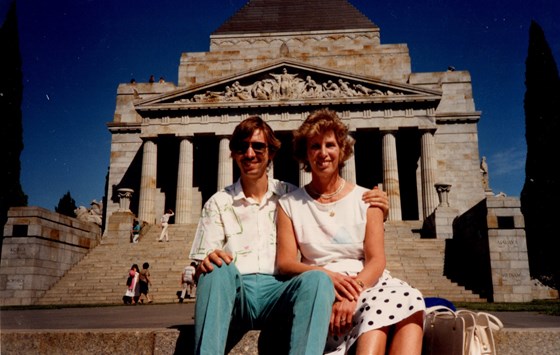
column 494, row 322
column 439, row 308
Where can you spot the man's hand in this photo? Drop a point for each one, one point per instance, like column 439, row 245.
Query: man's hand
column 216, row 257
column 377, row 198
column 341, row 317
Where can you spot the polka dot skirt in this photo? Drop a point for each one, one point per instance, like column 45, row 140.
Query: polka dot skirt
column 387, row 302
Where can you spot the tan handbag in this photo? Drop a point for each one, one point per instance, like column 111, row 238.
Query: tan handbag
column 459, row 333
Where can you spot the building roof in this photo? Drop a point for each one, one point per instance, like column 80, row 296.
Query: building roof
column 273, row 16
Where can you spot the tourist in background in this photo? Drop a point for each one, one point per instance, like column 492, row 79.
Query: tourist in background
column 187, row 282
column 235, row 244
column 165, row 224
column 145, row 282
column 135, row 231
column 132, row 293
column 326, row 226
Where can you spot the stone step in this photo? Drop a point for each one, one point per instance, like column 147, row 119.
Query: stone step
column 101, row 275
column 179, row 341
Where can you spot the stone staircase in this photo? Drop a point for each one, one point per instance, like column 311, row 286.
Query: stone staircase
column 100, row 278
column 420, row 262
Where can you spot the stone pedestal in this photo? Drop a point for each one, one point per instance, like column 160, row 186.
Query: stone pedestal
column 124, row 198
column 119, row 227
column 508, row 250
column 444, row 214
column 443, row 220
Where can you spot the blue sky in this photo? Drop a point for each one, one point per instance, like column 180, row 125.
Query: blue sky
column 76, row 52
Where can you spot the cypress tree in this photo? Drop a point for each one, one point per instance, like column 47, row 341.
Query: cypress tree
column 541, row 191
column 11, row 136
column 66, row 205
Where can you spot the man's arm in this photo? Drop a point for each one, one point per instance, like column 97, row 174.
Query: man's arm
column 377, row 198
column 209, row 240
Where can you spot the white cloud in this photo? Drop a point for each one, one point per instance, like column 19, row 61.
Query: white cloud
column 507, row 162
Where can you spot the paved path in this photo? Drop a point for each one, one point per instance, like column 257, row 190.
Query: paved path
column 173, row 316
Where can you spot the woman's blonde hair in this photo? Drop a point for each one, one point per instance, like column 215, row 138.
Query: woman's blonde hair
column 320, row 122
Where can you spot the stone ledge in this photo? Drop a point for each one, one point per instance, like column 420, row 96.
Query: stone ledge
column 172, row 341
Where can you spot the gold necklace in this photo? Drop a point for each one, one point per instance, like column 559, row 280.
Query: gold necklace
column 328, row 196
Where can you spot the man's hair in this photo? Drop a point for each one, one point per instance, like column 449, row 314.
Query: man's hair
column 145, row 265
column 247, row 127
column 320, row 122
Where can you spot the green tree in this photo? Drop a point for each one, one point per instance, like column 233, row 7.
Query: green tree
column 66, row 205
column 11, row 134
column 541, row 191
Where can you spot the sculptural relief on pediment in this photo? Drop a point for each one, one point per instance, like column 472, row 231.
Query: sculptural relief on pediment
column 288, row 86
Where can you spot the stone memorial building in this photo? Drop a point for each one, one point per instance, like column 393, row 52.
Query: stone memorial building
column 416, row 133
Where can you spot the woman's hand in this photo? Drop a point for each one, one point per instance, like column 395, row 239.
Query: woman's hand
column 341, row 317
column 345, row 287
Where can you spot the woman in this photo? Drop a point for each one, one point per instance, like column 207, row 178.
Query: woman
column 336, row 232
column 132, row 293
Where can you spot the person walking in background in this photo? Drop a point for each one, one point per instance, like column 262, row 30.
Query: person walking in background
column 135, row 231
column 165, row 225
column 187, row 281
column 145, row 282
column 132, row 293
column 326, row 226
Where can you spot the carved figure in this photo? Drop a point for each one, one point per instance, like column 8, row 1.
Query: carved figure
column 345, row 88
column 285, row 82
column 312, row 89
column 484, row 172
column 287, row 86
column 93, row 214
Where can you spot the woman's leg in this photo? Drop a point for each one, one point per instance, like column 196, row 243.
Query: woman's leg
column 373, row 342
column 407, row 338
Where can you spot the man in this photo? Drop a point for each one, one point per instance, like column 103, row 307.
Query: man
column 187, row 282
column 235, row 244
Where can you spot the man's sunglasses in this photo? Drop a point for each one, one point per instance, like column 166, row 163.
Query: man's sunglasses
column 258, row 147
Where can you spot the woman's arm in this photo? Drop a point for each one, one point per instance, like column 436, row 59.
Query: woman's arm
column 374, row 248
column 288, row 263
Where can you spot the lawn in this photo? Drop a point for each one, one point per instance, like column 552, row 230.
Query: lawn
column 549, row 307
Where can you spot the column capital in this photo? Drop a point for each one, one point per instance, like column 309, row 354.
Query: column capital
column 148, row 138
column 386, row 130
column 427, row 129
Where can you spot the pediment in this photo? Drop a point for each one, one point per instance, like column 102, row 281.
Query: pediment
column 287, row 83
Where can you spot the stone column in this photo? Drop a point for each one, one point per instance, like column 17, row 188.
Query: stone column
column 304, row 177
column 146, row 206
column 225, row 164
column 184, row 182
column 428, row 171
column 349, row 170
column 124, row 199
column 391, row 175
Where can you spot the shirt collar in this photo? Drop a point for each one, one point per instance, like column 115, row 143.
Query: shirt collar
column 274, row 187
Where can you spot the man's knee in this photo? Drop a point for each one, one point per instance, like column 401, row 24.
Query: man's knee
column 219, row 274
column 317, row 282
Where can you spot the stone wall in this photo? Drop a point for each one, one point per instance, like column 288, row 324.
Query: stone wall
column 39, row 247
column 358, row 52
